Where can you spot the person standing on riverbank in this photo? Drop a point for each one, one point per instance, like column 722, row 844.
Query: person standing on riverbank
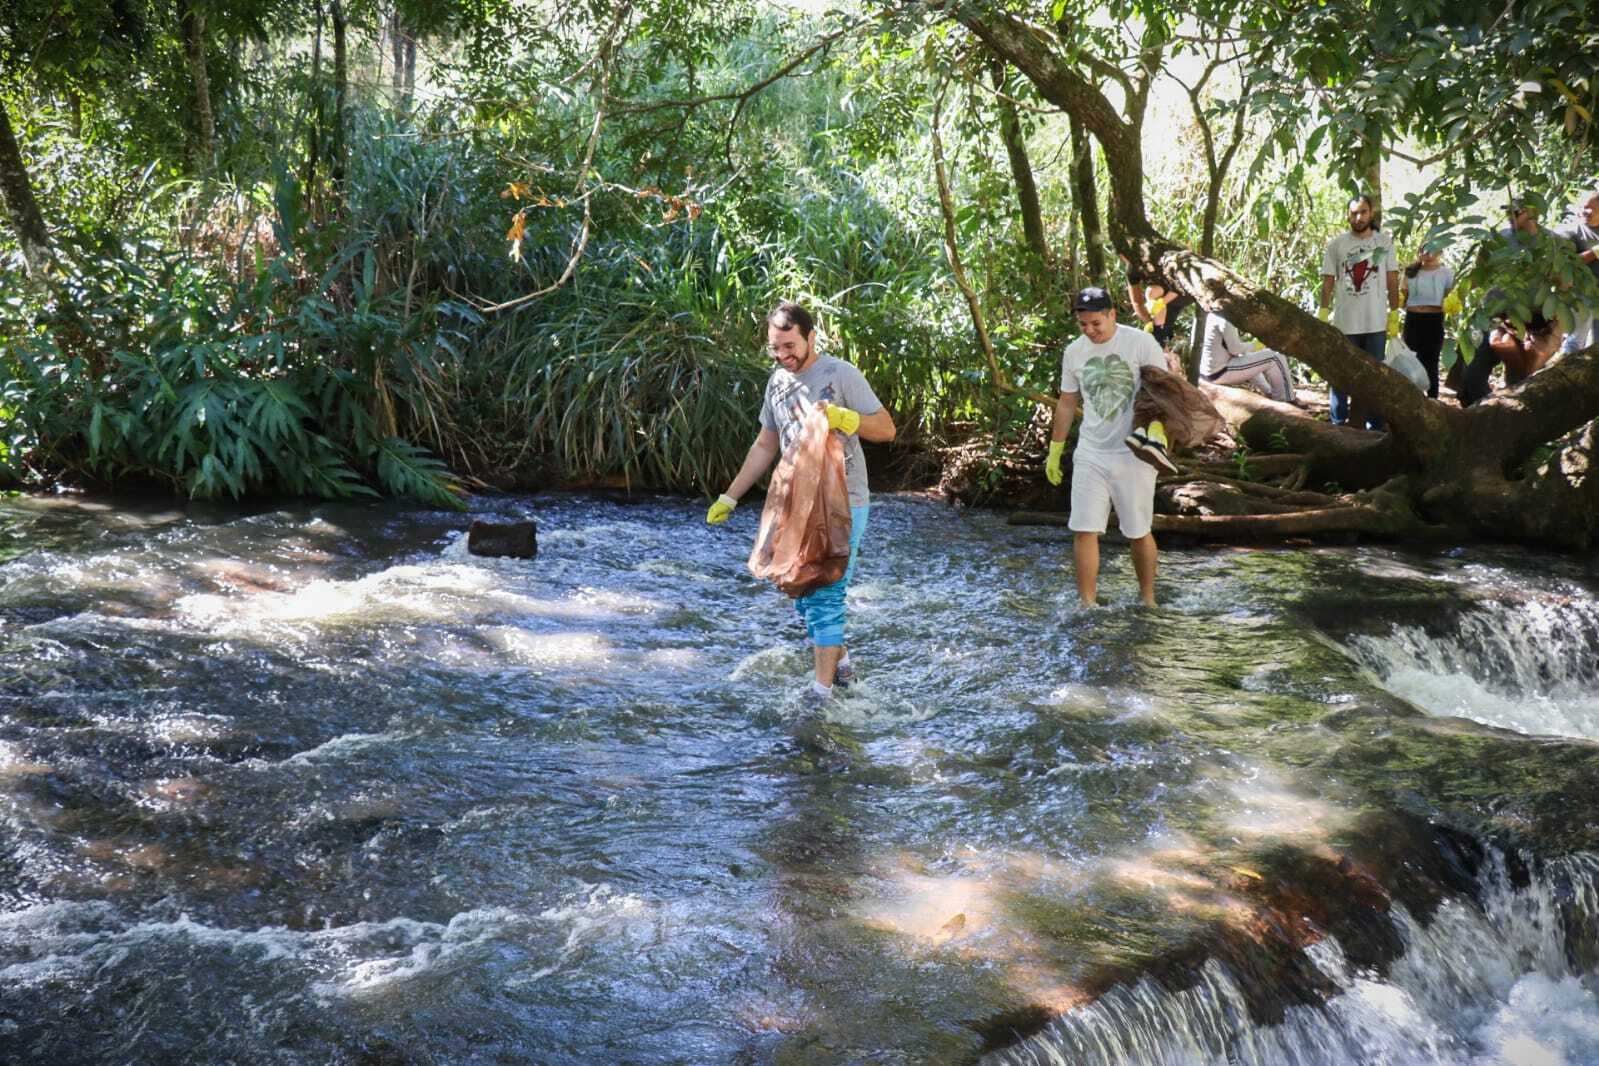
column 1360, row 292
column 1099, row 373
column 1527, row 236
column 802, row 379
column 1426, row 286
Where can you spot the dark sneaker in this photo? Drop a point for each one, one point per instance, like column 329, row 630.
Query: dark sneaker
column 844, row 676
column 1151, row 451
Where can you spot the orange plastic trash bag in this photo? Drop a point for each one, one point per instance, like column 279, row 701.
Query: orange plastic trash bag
column 803, row 542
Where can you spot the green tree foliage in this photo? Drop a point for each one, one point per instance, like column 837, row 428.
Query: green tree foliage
column 553, row 262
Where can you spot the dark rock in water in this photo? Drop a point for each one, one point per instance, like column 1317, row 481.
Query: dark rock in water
column 519, row 540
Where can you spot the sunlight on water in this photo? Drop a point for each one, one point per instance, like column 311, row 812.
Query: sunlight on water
column 1268, row 807
column 13, row 763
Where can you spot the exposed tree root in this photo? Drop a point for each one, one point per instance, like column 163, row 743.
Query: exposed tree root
column 1296, row 480
column 1259, row 488
column 1327, row 520
column 1556, row 503
column 1216, row 511
column 1343, row 519
column 1266, row 465
column 1216, row 498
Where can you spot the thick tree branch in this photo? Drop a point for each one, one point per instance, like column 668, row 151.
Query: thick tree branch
column 16, row 195
column 1057, row 80
column 1085, row 196
column 1561, row 397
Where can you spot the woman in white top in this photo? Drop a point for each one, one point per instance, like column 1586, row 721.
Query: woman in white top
column 1426, row 282
column 1223, row 361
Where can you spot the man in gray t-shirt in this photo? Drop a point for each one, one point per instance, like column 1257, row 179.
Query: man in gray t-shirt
column 790, row 396
column 804, row 378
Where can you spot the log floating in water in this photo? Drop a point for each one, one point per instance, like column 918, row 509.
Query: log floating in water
column 518, row 540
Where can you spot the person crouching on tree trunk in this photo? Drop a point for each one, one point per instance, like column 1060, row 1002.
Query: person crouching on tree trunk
column 803, row 378
column 1156, row 306
column 1525, row 352
column 1113, row 463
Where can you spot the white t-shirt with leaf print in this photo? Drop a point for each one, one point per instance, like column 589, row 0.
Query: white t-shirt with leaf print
column 1107, row 375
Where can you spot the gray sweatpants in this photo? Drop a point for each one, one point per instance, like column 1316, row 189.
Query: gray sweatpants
column 1265, row 364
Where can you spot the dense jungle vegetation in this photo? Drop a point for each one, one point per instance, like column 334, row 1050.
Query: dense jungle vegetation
column 340, row 248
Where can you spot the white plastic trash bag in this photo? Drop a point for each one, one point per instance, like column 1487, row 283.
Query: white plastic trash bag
column 1402, row 359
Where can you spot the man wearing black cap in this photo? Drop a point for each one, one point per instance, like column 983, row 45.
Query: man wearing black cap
column 1099, row 372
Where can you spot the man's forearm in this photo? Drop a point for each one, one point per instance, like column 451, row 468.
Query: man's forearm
column 756, row 462
column 1065, row 414
column 1326, row 290
column 877, row 427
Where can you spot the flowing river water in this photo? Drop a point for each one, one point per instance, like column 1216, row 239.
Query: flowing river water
column 311, row 784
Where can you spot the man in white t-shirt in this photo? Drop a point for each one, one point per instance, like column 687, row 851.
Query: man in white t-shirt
column 1359, row 268
column 1100, row 373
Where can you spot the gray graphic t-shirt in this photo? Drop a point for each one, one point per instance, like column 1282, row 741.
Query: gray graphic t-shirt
column 1107, row 375
column 790, row 396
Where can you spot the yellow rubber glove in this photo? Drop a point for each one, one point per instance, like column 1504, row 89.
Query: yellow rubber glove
column 1324, row 312
column 720, row 510
column 843, row 419
column 1157, row 309
column 1452, row 304
column 1052, row 464
column 1393, row 323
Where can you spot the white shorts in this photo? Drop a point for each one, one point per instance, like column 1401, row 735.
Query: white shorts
column 1103, row 479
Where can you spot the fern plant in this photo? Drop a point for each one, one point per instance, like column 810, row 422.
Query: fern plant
column 143, row 364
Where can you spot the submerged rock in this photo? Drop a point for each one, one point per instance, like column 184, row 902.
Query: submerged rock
column 518, row 540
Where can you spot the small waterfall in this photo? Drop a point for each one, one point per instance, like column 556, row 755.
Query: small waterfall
column 1532, row 667
column 1506, row 978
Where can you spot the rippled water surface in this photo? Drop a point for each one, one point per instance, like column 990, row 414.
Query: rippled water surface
column 312, row 784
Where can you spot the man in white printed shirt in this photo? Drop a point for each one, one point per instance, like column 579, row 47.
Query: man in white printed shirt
column 1100, row 373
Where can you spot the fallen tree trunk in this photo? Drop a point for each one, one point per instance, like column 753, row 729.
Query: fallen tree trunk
column 1343, row 519
column 1354, row 458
